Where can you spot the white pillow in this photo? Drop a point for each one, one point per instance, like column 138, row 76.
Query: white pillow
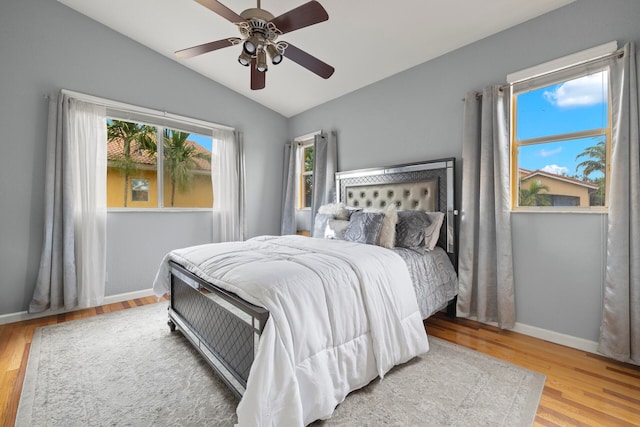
column 432, row 232
column 387, row 236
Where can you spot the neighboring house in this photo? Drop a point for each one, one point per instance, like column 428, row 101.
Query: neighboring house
column 562, row 190
column 142, row 188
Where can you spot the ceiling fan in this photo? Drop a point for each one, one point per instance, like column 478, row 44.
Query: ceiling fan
column 259, row 32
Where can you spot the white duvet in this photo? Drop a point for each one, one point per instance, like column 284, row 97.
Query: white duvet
column 341, row 314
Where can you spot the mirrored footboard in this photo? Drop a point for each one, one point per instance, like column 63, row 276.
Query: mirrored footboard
column 224, row 328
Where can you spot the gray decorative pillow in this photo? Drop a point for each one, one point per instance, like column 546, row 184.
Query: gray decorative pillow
column 387, row 236
column 320, row 224
column 410, row 229
column 417, row 228
column 364, row 227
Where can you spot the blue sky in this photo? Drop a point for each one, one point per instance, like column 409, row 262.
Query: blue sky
column 572, row 106
column 204, row 141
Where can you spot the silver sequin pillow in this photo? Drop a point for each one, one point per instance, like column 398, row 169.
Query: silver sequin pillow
column 364, row 227
column 410, row 228
column 417, row 228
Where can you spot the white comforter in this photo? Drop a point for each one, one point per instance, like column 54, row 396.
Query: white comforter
column 341, row 314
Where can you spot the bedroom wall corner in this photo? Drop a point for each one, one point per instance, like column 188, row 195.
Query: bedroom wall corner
column 47, row 46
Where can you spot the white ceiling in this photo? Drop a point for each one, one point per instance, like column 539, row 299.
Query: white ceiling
column 365, row 40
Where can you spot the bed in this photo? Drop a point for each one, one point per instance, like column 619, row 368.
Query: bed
column 223, row 299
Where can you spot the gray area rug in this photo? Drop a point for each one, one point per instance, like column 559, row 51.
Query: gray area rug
column 128, row 369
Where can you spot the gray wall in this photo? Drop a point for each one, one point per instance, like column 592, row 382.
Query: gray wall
column 45, row 46
column 417, row 115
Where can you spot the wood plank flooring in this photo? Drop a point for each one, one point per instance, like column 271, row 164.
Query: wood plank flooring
column 582, row 389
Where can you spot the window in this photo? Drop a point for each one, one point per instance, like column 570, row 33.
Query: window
column 306, row 175
column 152, row 166
column 139, row 190
column 561, row 140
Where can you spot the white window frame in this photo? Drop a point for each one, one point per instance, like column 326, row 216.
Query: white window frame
column 303, row 174
column 519, row 84
column 301, row 143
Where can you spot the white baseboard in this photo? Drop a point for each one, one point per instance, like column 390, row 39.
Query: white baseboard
column 557, row 338
column 23, row 315
column 551, row 336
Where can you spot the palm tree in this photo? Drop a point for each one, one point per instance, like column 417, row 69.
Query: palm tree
column 597, row 161
column 127, row 133
column 179, row 160
column 532, row 195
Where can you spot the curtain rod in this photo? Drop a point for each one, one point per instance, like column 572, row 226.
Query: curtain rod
column 307, row 136
column 129, row 108
column 618, row 53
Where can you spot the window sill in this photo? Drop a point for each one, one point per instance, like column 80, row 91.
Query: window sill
column 602, row 211
column 156, row 210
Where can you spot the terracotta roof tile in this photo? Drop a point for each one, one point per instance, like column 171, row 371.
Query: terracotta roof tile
column 115, row 150
column 525, row 174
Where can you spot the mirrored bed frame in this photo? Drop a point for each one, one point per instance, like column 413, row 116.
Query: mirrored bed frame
column 225, row 329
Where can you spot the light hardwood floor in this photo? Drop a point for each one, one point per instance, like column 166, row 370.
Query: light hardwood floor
column 582, row 389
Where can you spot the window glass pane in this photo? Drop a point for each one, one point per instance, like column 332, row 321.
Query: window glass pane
column 140, row 190
column 562, row 173
column 308, row 159
column 187, row 170
column 572, row 106
column 308, row 182
column 131, row 155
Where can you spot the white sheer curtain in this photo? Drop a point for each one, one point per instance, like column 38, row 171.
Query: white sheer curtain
column 325, row 164
column 228, row 179
column 620, row 328
column 73, row 260
column 486, row 258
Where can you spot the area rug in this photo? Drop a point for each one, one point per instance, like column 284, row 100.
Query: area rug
column 128, row 369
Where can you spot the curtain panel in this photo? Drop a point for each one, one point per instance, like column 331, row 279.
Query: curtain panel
column 228, row 183
column 288, row 221
column 486, row 284
column 620, row 328
column 73, row 260
column 325, row 164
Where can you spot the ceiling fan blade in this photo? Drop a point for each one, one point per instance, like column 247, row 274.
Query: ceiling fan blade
column 302, row 16
column 222, row 10
column 257, row 78
column 204, row 48
column 309, row 62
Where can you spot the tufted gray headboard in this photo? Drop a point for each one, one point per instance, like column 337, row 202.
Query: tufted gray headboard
column 422, row 195
column 426, row 186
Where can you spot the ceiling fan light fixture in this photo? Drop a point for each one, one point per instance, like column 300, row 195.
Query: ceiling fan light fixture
column 274, row 54
column 244, row 58
column 261, row 61
column 251, row 44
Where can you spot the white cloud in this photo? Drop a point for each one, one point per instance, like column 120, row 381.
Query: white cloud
column 558, row 170
column 547, row 153
column 582, row 92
